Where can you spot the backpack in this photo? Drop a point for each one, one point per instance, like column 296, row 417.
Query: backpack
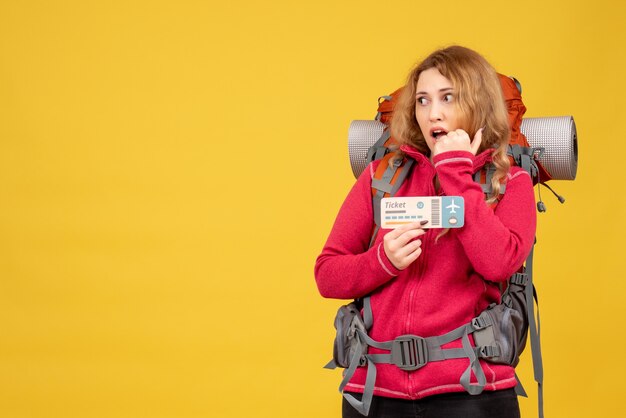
column 500, row 332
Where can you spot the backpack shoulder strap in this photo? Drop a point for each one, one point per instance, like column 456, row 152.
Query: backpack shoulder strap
column 484, row 176
column 388, row 178
column 534, row 331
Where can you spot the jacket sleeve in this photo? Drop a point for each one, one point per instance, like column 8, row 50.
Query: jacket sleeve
column 346, row 267
column 496, row 242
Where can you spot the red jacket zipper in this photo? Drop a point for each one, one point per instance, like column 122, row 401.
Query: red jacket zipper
column 414, row 284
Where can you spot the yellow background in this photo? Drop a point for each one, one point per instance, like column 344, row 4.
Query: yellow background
column 170, row 170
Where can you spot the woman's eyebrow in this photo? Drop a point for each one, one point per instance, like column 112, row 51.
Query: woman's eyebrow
column 445, row 89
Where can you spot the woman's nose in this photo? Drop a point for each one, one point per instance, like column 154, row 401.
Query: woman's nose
column 435, row 112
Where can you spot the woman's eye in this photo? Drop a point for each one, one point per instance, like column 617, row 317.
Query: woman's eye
column 422, row 100
column 447, row 98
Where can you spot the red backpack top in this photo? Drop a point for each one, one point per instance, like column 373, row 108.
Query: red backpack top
column 515, row 107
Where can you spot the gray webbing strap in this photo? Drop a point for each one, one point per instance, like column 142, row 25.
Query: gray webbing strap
column 384, row 186
column 363, row 406
column 377, row 198
column 438, row 354
column 354, row 363
column 405, row 172
column 525, row 158
column 489, row 171
column 517, row 151
column 379, row 114
column 519, row 388
column 378, row 150
column 472, row 389
column 457, row 333
column 381, row 149
column 486, row 186
column 534, row 329
column 383, row 345
column 368, row 318
column 332, row 365
column 476, row 177
column 526, row 162
column 374, row 234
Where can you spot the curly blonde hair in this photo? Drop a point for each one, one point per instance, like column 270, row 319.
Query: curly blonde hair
column 479, row 100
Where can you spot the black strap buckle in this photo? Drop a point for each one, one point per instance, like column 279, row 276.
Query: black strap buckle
column 520, row 279
column 409, row 352
column 489, row 351
column 479, row 323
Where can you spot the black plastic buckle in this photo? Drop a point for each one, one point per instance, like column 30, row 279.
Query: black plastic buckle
column 489, row 351
column 520, row 279
column 409, row 352
column 479, row 323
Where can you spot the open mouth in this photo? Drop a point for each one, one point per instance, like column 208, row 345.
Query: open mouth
column 438, row 133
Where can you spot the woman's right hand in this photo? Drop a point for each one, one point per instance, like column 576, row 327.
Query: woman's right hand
column 402, row 246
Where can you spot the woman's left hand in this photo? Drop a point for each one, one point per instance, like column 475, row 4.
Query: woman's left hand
column 458, row 140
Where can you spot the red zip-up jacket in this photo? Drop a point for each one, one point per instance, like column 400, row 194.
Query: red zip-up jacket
column 452, row 281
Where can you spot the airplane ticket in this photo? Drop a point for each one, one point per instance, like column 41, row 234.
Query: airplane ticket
column 439, row 211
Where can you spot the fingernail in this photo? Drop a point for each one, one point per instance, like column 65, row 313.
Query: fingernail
column 423, row 222
column 483, row 128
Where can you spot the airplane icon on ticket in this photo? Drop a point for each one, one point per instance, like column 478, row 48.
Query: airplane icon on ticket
column 452, row 207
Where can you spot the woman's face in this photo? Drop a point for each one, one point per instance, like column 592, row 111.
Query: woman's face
column 436, row 110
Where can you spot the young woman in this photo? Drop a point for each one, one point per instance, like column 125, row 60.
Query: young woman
column 451, row 119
